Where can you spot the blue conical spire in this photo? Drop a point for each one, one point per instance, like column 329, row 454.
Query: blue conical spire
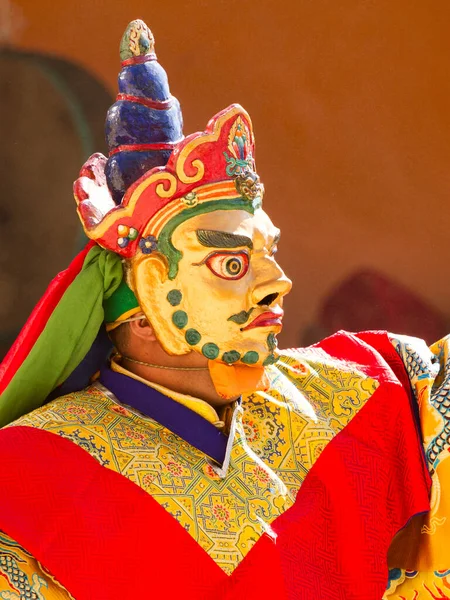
column 145, row 122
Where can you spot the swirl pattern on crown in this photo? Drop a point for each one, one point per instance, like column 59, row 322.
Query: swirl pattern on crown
column 204, row 167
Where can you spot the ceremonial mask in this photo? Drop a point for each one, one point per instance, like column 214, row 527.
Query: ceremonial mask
column 198, row 249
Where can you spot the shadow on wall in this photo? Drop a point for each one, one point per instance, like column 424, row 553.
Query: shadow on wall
column 52, row 120
column 370, row 300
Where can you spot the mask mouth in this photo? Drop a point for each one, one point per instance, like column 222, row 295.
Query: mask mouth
column 272, row 318
column 268, row 300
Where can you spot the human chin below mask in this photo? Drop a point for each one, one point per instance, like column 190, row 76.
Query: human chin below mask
column 225, row 301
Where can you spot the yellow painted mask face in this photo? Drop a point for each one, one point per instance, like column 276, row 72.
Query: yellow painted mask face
column 225, row 300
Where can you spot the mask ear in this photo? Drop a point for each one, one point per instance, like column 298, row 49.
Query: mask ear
column 151, row 285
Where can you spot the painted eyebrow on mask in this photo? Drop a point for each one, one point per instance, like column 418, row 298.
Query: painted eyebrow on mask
column 222, row 239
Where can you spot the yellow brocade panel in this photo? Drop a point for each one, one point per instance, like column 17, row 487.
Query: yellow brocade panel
column 429, row 372
column 414, row 585
column 21, row 576
column 278, row 435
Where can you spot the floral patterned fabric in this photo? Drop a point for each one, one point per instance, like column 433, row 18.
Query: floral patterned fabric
column 22, row 577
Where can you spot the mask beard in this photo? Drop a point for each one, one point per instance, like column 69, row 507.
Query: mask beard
column 149, row 275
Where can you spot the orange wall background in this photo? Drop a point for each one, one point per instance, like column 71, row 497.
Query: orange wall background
column 350, row 102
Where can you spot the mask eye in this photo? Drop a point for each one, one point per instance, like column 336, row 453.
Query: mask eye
column 228, row 265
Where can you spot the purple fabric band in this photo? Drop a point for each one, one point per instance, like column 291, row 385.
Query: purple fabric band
column 182, row 421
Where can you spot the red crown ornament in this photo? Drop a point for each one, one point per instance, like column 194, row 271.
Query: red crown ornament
column 215, row 165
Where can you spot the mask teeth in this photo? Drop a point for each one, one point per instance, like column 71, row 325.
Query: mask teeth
column 145, row 122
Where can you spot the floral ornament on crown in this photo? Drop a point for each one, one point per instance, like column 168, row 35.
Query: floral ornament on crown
column 126, row 235
column 240, row 162
column 148, row 244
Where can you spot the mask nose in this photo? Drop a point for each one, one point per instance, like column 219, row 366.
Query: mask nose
column 273, row 289
column 269, row 299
